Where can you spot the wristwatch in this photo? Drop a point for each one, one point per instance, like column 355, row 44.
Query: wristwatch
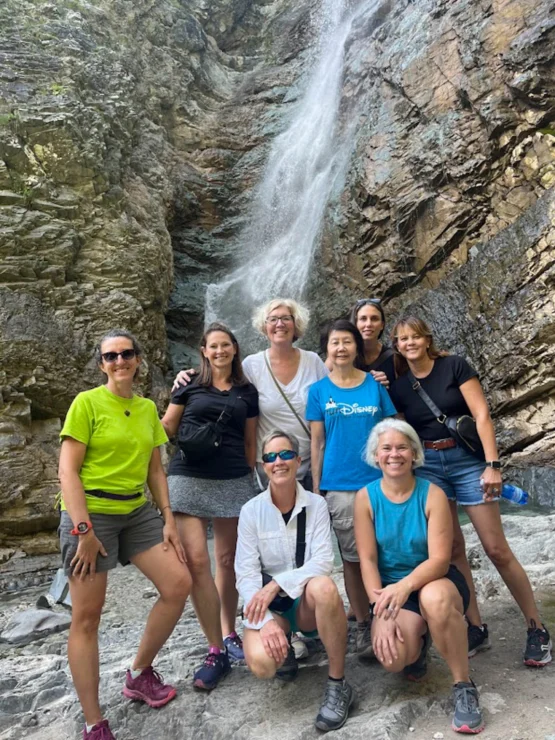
column 82, row 528
column 495, row 464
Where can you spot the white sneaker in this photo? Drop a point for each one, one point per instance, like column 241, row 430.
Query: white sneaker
column 299, row 646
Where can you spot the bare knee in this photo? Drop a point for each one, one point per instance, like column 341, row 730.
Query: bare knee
column 261, row 665
column 225, row 560
column 86, row 620
column 198, row 564
column 437, row 601
column 323, row 590
column 178, row 587
column 499, row 553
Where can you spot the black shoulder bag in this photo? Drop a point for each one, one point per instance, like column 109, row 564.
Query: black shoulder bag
column 282, row 602
column 461, row 428
column 199, row 442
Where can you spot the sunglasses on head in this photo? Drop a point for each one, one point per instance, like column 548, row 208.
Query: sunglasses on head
column 364, row 301
column 270, row 457
column 127, row 354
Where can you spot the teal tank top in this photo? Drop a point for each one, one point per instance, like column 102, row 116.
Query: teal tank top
column 401, row 531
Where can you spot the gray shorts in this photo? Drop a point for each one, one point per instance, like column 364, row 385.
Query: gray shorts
column 207, row 498
column 123, row 536
column 341, row 506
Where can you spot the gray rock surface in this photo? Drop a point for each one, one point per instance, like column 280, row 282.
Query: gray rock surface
column 37, row 700
column 34, row 624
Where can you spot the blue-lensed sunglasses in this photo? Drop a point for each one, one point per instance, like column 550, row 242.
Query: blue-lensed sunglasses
column 270, row 457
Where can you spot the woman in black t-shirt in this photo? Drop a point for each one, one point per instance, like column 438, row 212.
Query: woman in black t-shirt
column 215, row 487
column 454, row 387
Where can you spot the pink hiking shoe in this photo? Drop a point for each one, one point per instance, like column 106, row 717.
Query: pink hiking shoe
column 100, row 731
column 149, row 687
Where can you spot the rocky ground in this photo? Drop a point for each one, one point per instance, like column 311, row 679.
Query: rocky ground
column 37, row 699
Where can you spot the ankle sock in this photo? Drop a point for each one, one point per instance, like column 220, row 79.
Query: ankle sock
column 214, row 650
column 135, row 674
column 336, row 680
column 89, row 727
column 233, row 635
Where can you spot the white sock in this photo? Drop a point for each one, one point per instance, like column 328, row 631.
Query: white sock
column 88, row 727
column 134, row 674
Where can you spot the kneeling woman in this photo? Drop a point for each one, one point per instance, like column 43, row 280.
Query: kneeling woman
column 404, row 537
column 110, row 449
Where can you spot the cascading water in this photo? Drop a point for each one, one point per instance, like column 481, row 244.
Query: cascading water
column 305, row 163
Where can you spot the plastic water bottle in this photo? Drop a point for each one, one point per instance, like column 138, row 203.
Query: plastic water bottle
column 514, row 494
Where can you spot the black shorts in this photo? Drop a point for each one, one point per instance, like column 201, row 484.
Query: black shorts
column 455, row 576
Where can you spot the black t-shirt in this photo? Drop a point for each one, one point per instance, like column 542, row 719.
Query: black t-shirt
column 442, row 385
column 206, row 404
column 383, row 363
column 287, row 515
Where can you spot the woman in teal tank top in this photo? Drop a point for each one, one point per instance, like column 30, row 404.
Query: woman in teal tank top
column 404, row 537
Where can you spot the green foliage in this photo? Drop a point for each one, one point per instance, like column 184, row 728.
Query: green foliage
column 548, row 131
column 57, row 89
column 6, row 118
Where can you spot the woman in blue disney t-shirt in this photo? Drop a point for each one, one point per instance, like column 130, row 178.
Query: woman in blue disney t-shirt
column 342, row 409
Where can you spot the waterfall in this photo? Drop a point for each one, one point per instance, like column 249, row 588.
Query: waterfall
column 306, row 162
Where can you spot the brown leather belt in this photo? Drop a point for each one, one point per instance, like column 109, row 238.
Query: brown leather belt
column 439, row 444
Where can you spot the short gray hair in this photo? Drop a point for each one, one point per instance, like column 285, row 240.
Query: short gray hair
column 275, row 433
column 395, row 425
column 298, row 311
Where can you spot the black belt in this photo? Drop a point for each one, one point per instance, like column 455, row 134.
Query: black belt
column 114, row 496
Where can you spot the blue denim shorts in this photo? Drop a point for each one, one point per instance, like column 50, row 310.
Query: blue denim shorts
column 457, row 472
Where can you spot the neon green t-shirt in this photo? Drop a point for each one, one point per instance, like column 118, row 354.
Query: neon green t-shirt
column 119, row 445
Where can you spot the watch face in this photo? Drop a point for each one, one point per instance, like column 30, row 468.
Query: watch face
column 82, row 527
column 495, row 464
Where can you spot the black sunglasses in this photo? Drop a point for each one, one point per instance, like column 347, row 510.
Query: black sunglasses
column 127, row 354
column 364, row 301
column 270, row 457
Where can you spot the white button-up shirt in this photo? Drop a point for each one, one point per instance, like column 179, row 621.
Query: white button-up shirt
column 266, row 543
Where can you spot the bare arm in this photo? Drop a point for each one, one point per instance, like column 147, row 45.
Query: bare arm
column 158, row 485
column 250, row 440
column 172, row 417
column 72, row 455
column 317, row 447
column 478, row 406
column 366, row 544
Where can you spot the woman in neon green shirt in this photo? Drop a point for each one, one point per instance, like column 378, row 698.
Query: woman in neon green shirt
column 110, row 449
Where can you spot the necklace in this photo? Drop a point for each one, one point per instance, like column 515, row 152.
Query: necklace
column 127, row 411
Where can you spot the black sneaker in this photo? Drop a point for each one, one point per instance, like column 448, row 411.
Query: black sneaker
column 215, row 667
column 538, row 647
column 467, row 717
column 417, row 670
column 335, row 707
column 478, row 639
column 289, row 668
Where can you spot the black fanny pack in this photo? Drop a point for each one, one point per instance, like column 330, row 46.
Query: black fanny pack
column 282, row 602
column 114, row 496
column 462, row 428
column 199, row 442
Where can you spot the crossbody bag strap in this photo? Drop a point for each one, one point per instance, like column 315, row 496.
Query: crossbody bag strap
column 415, row 384
column 225, row 416
column 287, row 401
column 301, row 538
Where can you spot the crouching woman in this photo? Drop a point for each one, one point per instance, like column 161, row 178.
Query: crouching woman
column 404, row 537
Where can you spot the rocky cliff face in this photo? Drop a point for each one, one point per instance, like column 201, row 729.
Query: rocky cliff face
column 132, row 134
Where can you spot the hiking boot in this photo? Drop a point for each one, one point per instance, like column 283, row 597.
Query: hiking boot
column 234, row 647
column 149, row 687
column 478, row 639
column 100, row 731
column 289, row 668
column 417, row 670
column 299, row 647
column 335, row 707
column 538, row 647
column 215, row 667
column 363, row 640
column 467, row 717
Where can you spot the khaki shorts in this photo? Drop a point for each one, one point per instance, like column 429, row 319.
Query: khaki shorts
column 341, row 506
column 123, row 536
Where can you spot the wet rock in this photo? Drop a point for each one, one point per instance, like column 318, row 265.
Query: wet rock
column 34, row 624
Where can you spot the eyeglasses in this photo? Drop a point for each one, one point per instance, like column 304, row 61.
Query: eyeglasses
column 270, row 457
column 364, row 301
column 127, row 354
column 287, row 319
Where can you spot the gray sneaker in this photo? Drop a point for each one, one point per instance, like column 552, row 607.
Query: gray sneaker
column 467, row 716
column 335, row 708
column 363, row 640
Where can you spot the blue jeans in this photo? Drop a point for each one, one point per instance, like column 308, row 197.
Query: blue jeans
column 457, row 472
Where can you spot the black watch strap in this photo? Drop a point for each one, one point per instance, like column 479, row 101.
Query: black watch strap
column 495, row 464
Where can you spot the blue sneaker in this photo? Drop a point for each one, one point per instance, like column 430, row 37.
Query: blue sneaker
column 215, row 667
column 234, row 647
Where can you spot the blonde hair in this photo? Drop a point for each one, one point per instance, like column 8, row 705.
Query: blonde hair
column 395, row 425
column 299, row 312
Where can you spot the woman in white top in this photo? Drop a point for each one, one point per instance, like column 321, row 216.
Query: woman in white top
column 282, row 375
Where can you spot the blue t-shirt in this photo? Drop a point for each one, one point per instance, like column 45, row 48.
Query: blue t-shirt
column 401, row 531
column 349, row 415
